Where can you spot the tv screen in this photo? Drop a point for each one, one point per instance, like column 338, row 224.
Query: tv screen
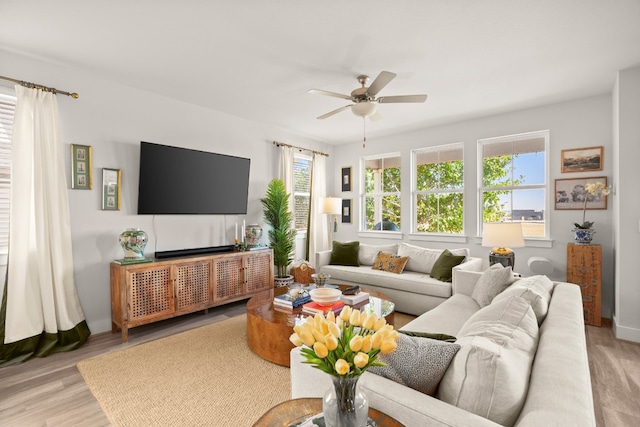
column 177, row 180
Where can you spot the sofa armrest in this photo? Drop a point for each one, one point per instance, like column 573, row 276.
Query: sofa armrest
column 322, row 258
column 464, row 281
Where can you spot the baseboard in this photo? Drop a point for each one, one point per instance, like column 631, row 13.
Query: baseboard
column 625, row 333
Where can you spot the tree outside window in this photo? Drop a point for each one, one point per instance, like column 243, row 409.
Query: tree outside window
column 439, row 189
column 514, row 183
column 382, row 189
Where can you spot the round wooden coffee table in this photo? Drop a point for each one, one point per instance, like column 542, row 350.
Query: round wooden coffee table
column 269, row 329
column 297, row 410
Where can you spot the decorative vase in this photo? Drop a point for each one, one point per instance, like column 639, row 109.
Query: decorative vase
column 583, row 236
column 252, row 234
column 282, row 281
column 344, row 405
column 133, row 242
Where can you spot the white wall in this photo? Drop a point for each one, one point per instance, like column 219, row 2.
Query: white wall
column 581, row 123
column 626, row 137
column 113, row 119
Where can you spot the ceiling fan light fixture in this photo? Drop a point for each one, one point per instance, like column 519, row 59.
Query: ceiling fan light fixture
column 364, row 109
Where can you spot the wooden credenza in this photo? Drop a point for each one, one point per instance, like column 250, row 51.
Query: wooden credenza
column 148, row 292
column 584, row 268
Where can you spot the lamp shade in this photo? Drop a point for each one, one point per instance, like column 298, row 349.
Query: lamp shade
column 502, row 235
column 331, row 205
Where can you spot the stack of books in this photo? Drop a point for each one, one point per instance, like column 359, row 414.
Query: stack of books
column 359, row 298
column 313, row 307
column 286, row 301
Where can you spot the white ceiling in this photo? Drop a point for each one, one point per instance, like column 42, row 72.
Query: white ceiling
column 257, row 59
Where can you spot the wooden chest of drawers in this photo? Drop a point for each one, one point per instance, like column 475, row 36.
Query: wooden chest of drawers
column 584, row 268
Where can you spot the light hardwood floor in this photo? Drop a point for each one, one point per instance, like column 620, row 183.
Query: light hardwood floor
column 51, row 391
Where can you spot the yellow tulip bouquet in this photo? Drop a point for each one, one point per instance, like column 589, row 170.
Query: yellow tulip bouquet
column 347, row 345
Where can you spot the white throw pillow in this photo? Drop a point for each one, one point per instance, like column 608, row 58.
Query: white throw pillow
column 490, row 374
column 418, row 363
column 535, row 289
column 493, row 281
column 422, row 259
column 367, row 253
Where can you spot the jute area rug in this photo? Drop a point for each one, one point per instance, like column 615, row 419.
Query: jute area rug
column 204, row 377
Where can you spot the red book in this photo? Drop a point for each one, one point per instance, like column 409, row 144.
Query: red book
column 313, row 307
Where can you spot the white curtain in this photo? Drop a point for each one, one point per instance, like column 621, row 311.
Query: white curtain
column 318, row 229
column 41, row 309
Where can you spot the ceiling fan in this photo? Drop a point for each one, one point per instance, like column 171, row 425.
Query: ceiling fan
column 364, row 98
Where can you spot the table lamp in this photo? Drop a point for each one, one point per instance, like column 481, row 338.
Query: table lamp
column 331, row 206
column 502, row 236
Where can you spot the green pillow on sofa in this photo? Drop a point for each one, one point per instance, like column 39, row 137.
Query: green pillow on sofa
column 442, row 269
column 345, row 254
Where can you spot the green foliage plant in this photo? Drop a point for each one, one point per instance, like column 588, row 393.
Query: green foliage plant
column 282, row 236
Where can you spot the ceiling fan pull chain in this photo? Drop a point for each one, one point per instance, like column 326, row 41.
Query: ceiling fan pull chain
column 364, row 131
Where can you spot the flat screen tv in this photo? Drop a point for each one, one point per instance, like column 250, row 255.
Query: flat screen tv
column 177, row 180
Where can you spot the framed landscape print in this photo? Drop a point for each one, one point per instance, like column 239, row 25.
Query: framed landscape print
column 346, row 211
column 81, row 167
column 111, row 183
column 582, row 160
column 570, row 194
column 346, row 179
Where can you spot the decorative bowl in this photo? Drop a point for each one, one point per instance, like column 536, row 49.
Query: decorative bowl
column 325, row 296
column 320, row 279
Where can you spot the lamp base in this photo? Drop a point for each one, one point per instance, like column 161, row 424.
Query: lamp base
column 507, row 259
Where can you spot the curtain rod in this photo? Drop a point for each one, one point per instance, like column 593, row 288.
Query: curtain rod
column 280, row 144
column 37, row 86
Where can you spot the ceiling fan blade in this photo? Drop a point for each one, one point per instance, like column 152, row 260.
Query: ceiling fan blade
column 402, row 98
column 375, row 116
column 331, row 113
column 380, row 82
column 327, row 93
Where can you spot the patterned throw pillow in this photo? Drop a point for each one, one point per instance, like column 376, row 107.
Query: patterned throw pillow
column 390, row 263
column 419, row 363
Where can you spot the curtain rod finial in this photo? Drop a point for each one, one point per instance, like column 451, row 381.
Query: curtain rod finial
column 75, row 95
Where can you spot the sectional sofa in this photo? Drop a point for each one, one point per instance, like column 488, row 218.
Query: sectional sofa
column 521, row 361
column 413, row 290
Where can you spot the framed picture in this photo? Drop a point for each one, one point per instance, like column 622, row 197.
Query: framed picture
column 570, row 194
column 111, row 183
column 81, row 167
column 346, row 211
column 346, row 179
column 582, row 160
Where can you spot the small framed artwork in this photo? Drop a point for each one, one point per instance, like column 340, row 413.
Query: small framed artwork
column 570, row 194
column 346, row 211
column 81, row 167
column 111, row 184
column 582, row 160
column 346, row 179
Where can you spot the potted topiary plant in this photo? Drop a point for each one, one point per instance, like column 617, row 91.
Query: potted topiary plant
column 282, row 237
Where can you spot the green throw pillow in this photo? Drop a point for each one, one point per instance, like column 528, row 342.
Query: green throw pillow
column 345, row 254
column 442, row 268
column 439, row 337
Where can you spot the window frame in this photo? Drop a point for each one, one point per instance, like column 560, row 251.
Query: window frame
column 363, row 196
column 544, row 186
column 415, row 193
column 309, row 158
column 7, row 116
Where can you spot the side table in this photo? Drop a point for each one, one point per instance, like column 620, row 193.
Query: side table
column 297, row 410
column 584, row 268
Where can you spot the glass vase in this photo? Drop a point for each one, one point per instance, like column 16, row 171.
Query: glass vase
column 344, row 405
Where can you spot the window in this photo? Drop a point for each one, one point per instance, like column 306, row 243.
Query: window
column 301, row 190
column 381, row 198
column 438, row 197
column 513, row 177
column 7, row 111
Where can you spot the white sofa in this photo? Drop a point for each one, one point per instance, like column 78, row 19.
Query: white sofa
column 558, row 392
column 413, row 291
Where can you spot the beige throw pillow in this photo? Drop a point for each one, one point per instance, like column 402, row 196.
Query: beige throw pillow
column 493, row 281
column 535, row 289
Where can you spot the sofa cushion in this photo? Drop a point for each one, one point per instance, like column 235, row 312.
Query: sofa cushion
column 535, row 289
column 493, row 281
column 391, row 263
column 448, row 318
column 490, row 374
column 418, row 363
column 442, row 269
column 345, row 253
column 422, row 259
column 368, row 253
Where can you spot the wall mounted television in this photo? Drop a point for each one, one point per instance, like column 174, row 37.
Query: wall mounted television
column 176, row 180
